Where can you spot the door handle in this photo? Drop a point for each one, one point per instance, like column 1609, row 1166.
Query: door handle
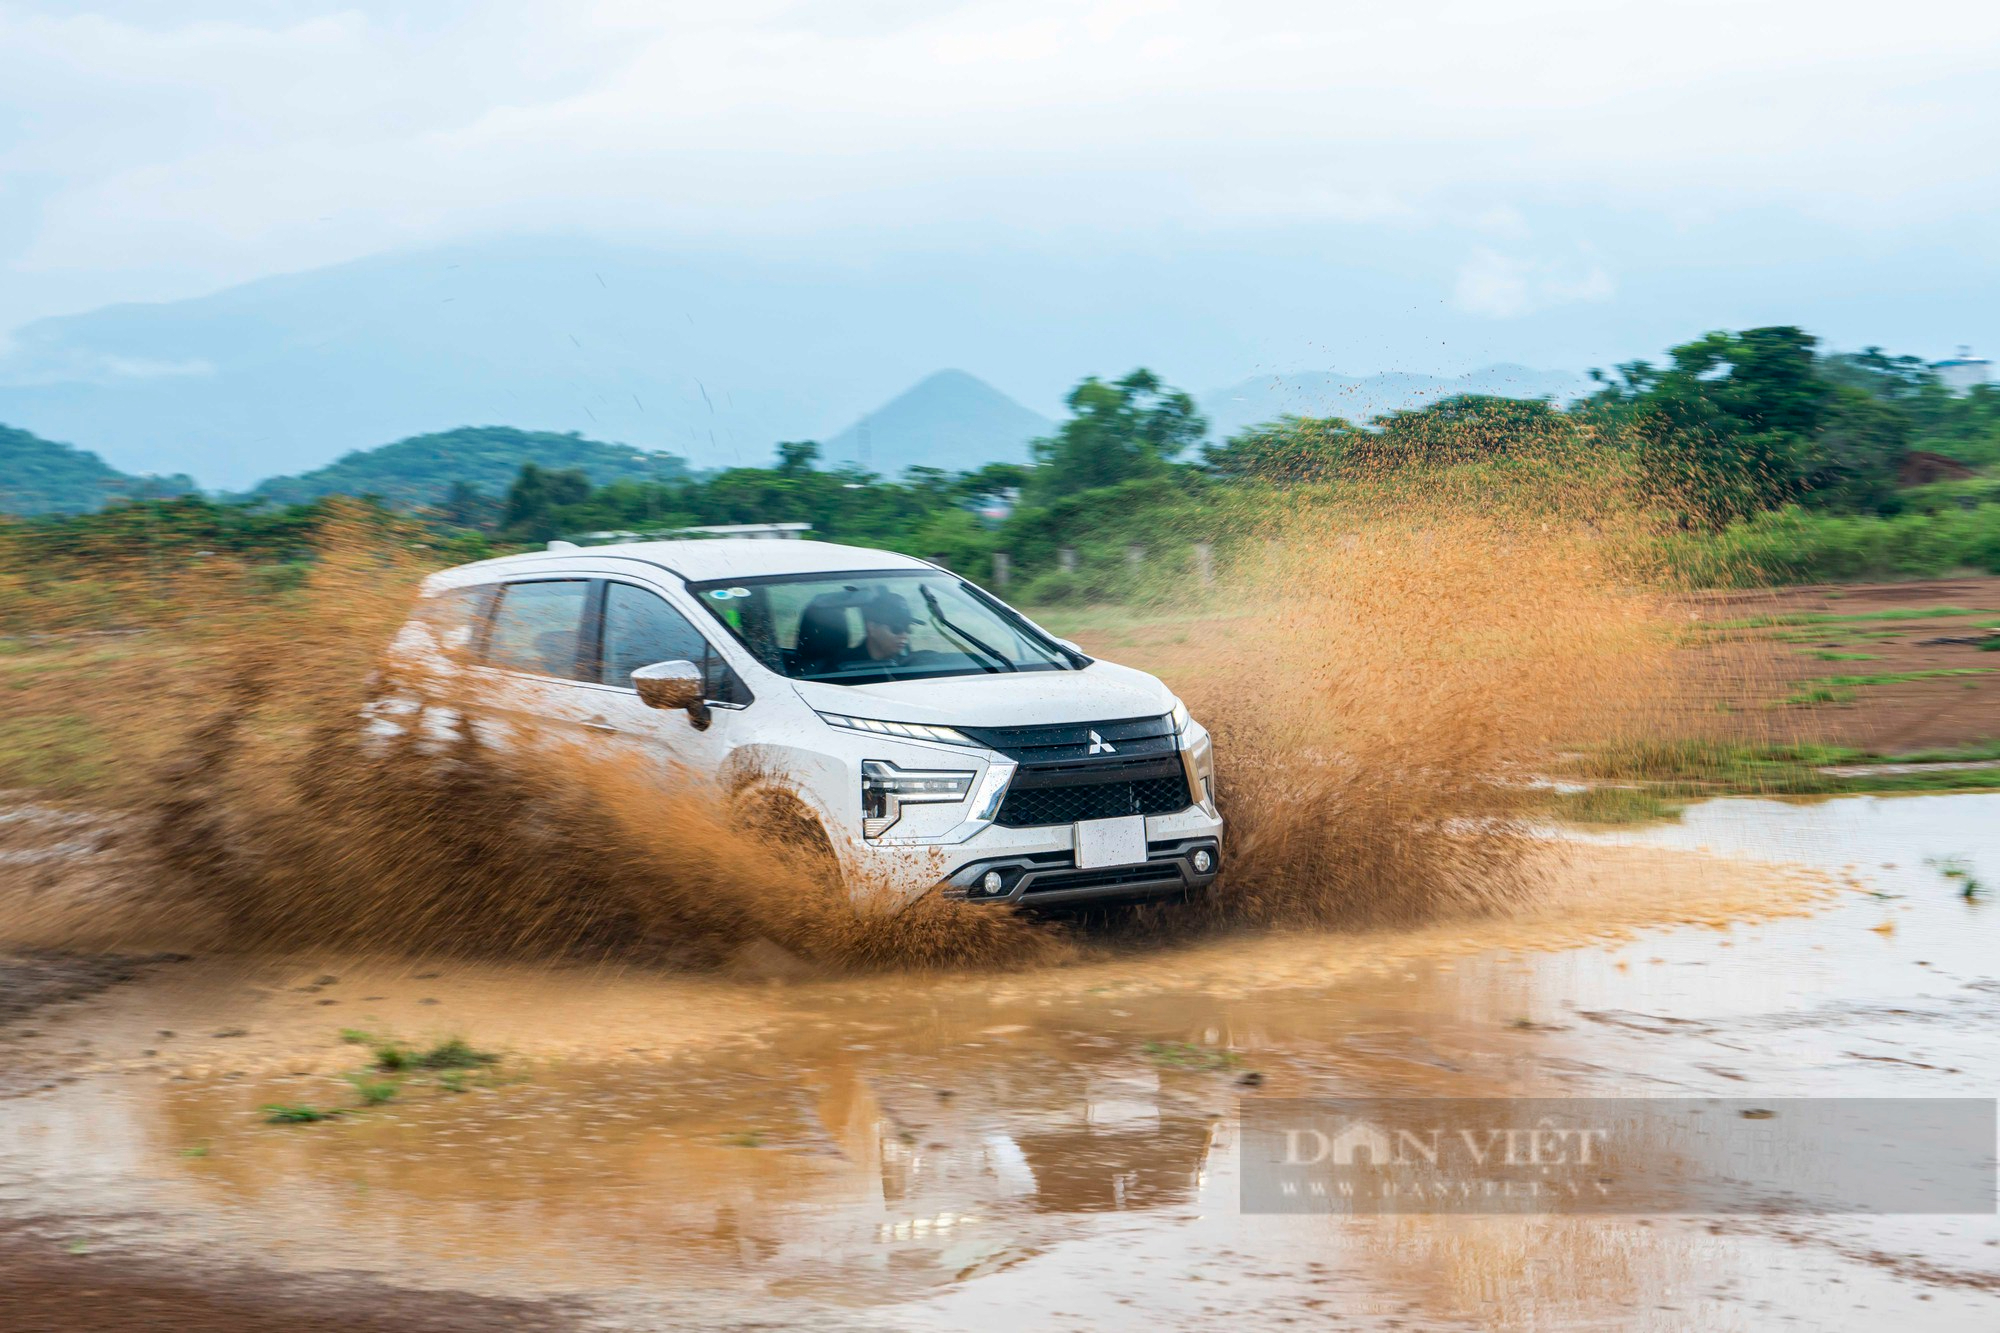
column 598, row 724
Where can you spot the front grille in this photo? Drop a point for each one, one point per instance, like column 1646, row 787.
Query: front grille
column 1028, row 805
column 1128, row 738
column 1110, row 877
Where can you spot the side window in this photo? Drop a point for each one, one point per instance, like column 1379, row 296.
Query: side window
column 640, row 628
column 539, row 628
column 456, row 616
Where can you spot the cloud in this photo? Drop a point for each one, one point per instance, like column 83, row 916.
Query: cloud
column 287, row 133
column 1501, row 286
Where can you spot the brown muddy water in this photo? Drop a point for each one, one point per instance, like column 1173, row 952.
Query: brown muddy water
column 1049, row 1148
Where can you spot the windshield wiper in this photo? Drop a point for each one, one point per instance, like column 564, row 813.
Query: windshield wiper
column 939, row 618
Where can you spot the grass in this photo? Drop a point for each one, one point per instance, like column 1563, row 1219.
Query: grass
column 298, row 1115
column 1973, row 753
column 1840, row 689
column 454, row 1053
column 1849, row 617
column 1180, row 1055
column 373, row 1091
column 1613, row 805
column 394, row 1058
column 1697, row 767
column 1844, row 657
column 451, row 1054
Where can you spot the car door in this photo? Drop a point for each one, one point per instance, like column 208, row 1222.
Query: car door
column 537, row 665
column 638, row 627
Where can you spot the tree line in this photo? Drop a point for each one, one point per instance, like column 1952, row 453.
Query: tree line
column 1730, row 426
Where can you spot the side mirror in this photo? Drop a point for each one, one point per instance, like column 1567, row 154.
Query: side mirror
column 673, row 686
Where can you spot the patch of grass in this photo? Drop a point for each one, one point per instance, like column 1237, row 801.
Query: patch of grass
column 196, row 1149
column 1181, row 1055
column 1956, row 779
column 1813, row 695
column 452, row 1080
column 1695, row 767
column 356, row 1037
column 1972, row 753
column 746, row 1139
column 373, row 1091
column 1825, row 656
column 1613, row 805
column 297, row 1115
column 455, row 1053
column 1898, row 677
column 64, row 754
column 1848, row 618
column 1840, row 689
column 394, row 1057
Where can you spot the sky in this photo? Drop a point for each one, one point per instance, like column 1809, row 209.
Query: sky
column 1553, row 182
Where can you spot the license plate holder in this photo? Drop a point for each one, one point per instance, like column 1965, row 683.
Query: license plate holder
column 1103, row 843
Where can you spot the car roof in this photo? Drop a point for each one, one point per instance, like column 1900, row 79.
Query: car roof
column 696, row 561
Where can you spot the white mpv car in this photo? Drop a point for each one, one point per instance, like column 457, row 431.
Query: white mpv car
column 942, row 740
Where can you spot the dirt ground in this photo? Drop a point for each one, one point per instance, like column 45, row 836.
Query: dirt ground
column 1910, row 630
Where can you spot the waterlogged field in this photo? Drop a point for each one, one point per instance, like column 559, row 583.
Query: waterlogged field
column 301, row 1032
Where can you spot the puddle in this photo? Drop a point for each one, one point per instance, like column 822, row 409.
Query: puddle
column 1058, row 1148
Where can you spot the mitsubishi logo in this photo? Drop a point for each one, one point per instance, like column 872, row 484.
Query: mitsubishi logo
column 1098, row 745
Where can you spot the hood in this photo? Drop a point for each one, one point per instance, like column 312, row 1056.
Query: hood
column 1101, row 692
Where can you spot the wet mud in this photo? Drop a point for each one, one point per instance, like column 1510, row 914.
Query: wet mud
column 1055, row 1145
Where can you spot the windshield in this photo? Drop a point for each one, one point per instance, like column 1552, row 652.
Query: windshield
column 863, row 629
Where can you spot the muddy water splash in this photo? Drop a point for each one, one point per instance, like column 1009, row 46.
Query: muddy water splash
column 1377, row 670
column 1381, row 723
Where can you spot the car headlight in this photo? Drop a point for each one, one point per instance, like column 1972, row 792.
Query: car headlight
column 1179, row 717
column 909, row 731
column 886, row 789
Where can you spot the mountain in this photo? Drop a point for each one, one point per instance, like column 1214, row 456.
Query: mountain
column 39, row 476
column 710, row 359
column 423, row 468
column 948, row 420
column 1360, row 399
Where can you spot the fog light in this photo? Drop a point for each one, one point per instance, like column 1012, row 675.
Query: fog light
column 992, row 882
column 1202, row 861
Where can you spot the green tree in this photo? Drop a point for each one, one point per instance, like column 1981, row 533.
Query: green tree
column 1729, row 426
column 1857, row 453
column 534, row 498
column 797, row 456
column 1117, row 432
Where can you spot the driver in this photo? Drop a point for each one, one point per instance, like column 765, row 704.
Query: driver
column 885, row 621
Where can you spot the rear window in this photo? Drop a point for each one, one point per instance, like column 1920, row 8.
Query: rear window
column 539, row 628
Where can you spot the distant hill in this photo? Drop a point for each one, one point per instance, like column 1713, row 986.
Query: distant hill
column 39, row 476
column 710, row 356
column 422, row 469
column 948, row 420
column 1362, row 398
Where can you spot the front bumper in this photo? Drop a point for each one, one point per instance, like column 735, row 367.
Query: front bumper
column 1047, row 879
